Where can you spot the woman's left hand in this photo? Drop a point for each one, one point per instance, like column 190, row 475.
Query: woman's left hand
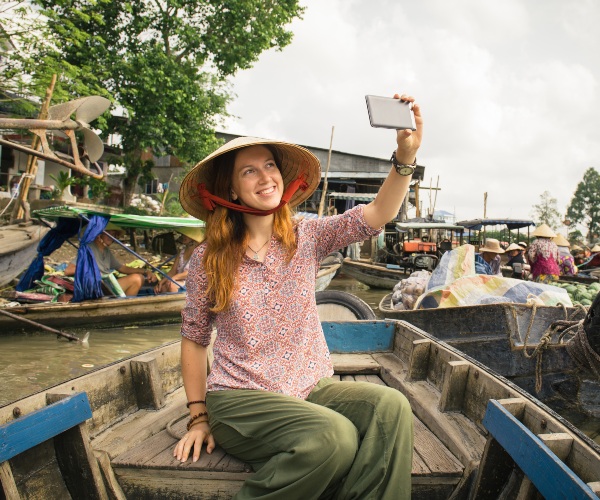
column 408, row 140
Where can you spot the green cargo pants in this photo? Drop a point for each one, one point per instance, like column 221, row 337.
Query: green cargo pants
column 348, row 440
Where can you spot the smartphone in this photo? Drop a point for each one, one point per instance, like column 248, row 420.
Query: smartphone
column 387, row 112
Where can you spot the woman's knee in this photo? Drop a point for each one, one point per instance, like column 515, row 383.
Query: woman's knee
column 392, row 403
column 334, row 446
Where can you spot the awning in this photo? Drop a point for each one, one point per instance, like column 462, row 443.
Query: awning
column 306, row 215
column 122, row 220
column 353, row 196
column 477, row 224
column 403, row 226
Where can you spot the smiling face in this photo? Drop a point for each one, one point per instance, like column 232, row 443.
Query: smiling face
column 256, row 180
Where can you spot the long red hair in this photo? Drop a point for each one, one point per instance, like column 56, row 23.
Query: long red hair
column 226, row 235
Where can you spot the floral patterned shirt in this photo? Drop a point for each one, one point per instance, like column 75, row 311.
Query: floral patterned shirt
column 271, row 338
column 542, row 255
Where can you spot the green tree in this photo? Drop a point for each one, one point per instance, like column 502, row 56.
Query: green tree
column 164, row 64
column 585, row 205
column 546, row 211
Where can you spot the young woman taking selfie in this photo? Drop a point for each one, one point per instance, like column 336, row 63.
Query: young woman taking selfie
column 269, row 399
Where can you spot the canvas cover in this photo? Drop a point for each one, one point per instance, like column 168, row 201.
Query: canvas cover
column 454, row 283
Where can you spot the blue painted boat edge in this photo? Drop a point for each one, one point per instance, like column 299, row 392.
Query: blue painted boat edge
column 359, row 336
column 550, row 475
column 43, row 424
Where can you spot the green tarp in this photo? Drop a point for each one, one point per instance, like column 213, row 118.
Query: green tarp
column 122, row 220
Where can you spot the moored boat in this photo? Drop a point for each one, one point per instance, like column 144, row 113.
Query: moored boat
column 120, row 424
column 18, row 247
column 373, row 274
column 520, row 342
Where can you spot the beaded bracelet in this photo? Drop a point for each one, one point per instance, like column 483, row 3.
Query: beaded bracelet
column 195, row 402
column 189, row 425
column 198, row 422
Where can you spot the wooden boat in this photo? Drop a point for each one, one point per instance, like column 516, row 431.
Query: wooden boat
column 18, row 247
column 504, row 337
column 112, row 311
column 110, row 433
column 325, row 275
column 102, row 313
column 373, row 274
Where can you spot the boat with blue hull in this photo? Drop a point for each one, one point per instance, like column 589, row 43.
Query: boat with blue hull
column 477, row 435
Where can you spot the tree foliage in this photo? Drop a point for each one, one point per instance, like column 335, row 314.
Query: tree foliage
column 585, row 205
column 164, row 64
column 546, row 211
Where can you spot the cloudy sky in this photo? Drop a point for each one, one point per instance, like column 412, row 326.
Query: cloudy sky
column 509, row 92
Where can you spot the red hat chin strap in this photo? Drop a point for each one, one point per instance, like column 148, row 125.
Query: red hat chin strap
column 210, row 201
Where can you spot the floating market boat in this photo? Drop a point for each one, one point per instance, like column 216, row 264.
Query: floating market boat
column 522, row 343
column 110, row 433
column 107, row 309
column 18, row 247
column 376, row 275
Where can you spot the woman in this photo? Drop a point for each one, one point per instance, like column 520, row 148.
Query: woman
column 515, row 260
column 269, row 399
column 190, row 239
column 542, row 255
column 566, row 262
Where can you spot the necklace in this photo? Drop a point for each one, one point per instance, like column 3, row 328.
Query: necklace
column 255, row 256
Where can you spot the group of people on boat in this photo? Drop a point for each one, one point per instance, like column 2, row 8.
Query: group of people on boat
column 135, row 277
column 544, row 260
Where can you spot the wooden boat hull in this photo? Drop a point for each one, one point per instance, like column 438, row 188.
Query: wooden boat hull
column 500, row 336
column 106, row 312
column 114, row 311
column 18, row 247
column 325, row 275
column 138, row 406
column 373, row 275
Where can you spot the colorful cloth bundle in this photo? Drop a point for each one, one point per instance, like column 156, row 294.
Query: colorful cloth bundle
column 454, row 283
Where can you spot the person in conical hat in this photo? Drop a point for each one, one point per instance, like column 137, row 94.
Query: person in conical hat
column 543, row 231
column 190, row 239
column 516, row 260
column 566, row 262
column 268, row 399
column 487, row 261
column 542, row 255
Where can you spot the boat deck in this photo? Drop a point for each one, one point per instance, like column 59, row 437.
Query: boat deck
column 149, row 469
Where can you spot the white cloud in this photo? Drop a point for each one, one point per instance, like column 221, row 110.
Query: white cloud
column 509, row 92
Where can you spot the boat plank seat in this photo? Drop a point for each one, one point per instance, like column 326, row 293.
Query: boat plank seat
column 58, row 429
column 220, row 475
column 537, row 459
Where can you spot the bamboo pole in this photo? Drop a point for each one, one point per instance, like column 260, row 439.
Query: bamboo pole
column 31, row 171
column 324, row 192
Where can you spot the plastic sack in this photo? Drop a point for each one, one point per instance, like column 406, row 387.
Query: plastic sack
column 407, row 291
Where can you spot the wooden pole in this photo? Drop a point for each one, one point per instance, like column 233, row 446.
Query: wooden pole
column 417, row 206
column 437, row 185
column 40, row 326
column 324, row 192
column 31, row 171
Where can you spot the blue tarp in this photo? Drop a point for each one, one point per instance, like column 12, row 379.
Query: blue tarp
column 64, row 229
column 87, row 275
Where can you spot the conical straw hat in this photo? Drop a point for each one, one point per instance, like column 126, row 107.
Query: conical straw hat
column 491, row 245
column 543, row 231
column 561, row 241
